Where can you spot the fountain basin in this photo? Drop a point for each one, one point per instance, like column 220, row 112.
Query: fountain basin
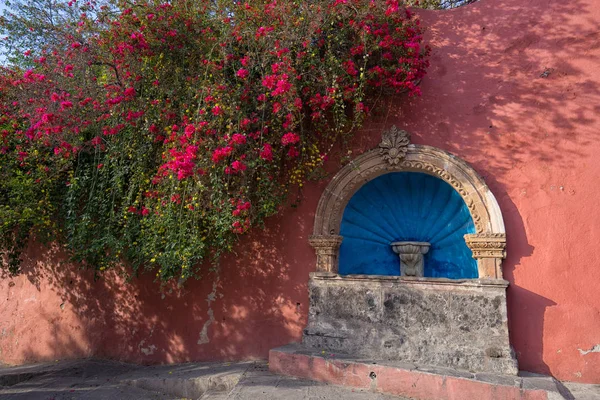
column 411, row 257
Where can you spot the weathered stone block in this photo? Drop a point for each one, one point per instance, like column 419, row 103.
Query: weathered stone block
column 424, row 321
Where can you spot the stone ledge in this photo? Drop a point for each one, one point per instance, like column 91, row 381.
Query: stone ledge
column 420, row 383
column 499, row 283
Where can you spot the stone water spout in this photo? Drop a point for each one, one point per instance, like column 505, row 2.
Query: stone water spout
column 411, row 257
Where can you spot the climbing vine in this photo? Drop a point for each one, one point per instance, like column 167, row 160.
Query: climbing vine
column 156, row 133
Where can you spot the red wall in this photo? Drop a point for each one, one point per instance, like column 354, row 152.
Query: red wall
column 534, row 139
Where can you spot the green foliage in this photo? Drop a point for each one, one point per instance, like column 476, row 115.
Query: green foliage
column 438, row 4
column 156, row 133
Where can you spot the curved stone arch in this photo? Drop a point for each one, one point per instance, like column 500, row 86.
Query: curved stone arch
column 395, row 154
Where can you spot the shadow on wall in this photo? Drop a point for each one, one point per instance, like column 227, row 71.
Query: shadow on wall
column 256, row 300
column 530, row 336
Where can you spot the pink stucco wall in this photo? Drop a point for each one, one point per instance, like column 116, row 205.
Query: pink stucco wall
column 534, row 139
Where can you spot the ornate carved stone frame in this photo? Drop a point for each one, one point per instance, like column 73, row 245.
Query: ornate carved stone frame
column 394, row 154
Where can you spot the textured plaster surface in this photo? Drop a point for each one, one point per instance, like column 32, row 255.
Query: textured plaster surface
column 442, row 325
column 513, row 89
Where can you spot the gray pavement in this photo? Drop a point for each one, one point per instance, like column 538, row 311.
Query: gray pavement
column 582, row 391
column 98, row 379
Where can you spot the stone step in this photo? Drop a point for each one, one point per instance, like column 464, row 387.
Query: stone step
column 405, row 379
column 189, row 381
column 215, row 394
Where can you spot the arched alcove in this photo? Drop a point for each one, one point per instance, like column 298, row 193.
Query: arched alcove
column 406, row 206
column 396, row 154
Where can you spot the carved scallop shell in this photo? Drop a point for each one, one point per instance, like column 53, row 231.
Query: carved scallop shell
column 406, row 206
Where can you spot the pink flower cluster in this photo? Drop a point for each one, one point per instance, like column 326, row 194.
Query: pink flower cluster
column 182, row 163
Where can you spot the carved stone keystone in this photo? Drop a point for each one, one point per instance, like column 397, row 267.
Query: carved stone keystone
column 411, row 257
column 327, row 250
column 394, row 145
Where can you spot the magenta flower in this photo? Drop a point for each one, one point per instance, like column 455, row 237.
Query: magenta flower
column 217, row 110
column 238, row 166
column 190, row 129
column 129, row 92
column 290, row 138
column 238, row 138
column 267, row 152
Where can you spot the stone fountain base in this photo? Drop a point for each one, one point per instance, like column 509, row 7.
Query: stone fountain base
column 449, row 323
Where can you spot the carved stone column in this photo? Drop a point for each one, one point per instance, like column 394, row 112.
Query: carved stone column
column 489, row 249
column 411, row 257
column 327, row 249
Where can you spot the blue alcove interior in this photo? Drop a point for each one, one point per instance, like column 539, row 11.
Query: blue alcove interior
column 406, row 206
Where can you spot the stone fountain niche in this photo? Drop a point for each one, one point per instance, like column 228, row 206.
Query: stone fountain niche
column 410, row 243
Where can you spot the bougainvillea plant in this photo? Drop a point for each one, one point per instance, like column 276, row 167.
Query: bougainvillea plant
column 156, row 133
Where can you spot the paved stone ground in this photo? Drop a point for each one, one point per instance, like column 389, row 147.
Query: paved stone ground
column 580, row 391
column 100, row 380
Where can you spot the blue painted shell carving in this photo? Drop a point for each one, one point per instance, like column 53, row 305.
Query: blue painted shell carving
column 406, row 206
